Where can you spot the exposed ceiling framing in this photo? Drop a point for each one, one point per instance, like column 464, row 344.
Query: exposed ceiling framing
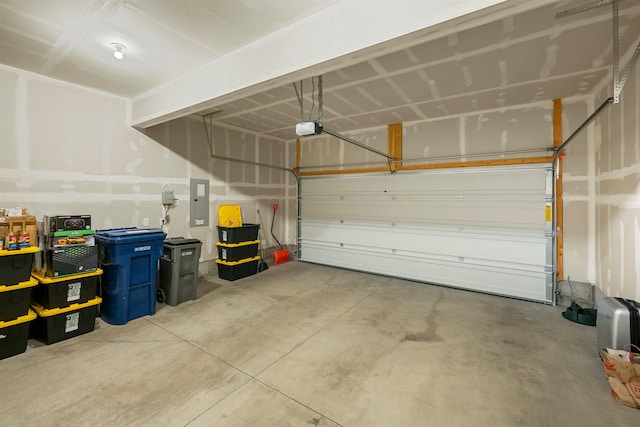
column 618, row 81
column 527, row 58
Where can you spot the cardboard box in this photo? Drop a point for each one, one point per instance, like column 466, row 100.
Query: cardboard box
column 14, row 211
column 16, row 223
column 63, row 261
column 64, row 241
column 68, row 223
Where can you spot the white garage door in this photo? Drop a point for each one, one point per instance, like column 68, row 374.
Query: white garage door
column 487, row 229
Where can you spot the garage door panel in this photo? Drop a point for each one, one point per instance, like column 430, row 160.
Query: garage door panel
column 425, row 243
column 513, row 214
column 521, row 181
column 470, row 228
column 527, row 211
column 376, row 253
column 495, row 280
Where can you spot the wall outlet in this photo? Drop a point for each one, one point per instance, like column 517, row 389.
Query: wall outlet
column 145, row 222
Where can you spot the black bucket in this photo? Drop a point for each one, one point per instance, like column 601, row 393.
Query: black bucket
column 584, row 316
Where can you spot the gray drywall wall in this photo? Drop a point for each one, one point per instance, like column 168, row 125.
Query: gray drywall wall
column 250, row 186
column 615, row 198
column 70, row 150
column 575, row 192
column 497, row 131
column 325, row 150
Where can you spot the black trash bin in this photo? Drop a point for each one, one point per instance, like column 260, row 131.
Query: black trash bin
column 179, row 270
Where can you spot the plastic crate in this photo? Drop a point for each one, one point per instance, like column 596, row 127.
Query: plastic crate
column 14, row 335
column 228, row 270
column 64, row 291
column 179, row 269
column 57, row 324
column 237, row 251
column 15, row 299
column 244, row 233
column 129, row 260
column 15, row 265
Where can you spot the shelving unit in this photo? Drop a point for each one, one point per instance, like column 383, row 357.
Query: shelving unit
column 237, row 244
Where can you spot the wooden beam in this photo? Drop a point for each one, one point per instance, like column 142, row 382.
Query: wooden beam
column 394, row 133
column 394, row 137
column 557, row 142
column 344, row 171
column 476, row 163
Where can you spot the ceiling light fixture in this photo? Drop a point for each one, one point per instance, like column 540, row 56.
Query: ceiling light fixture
column 118, row 52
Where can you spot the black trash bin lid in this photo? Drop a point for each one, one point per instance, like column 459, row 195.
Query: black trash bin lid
column 177, row 241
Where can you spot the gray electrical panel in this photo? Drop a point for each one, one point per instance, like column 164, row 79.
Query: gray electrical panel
column 199, row 203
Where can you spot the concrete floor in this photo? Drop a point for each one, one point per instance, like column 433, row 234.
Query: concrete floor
column 301, row 344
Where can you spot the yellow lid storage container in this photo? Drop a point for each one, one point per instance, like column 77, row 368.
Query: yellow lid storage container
column 57, row 324
column 229, row 216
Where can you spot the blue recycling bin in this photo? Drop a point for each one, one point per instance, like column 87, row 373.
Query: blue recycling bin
column 129, row 260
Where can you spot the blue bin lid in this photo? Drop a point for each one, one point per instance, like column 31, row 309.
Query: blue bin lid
column 130, row 234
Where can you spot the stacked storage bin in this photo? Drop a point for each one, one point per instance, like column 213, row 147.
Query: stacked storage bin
column 237, row 245
column 65, row 298
column 66, row 306
column 16, row 288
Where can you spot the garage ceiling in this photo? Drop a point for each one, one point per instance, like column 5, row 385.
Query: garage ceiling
column 518, row 60
column 71, row 39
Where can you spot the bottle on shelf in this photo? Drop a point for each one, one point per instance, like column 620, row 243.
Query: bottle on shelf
column 12, row 241
column 23, row 237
